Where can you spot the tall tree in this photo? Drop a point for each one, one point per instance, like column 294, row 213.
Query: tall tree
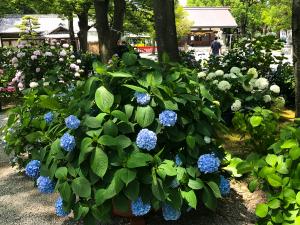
column 296, row 45
column 165, row 28
column 109, row 32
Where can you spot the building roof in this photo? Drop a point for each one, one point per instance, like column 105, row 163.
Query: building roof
column 211, row 17
column 48, row 23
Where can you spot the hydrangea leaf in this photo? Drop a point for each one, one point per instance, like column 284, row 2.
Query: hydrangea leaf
column 261, row 210
column 145, row 116
column 61, row 173
column 104, row 99
column 138, row 159
column 81, row 187
column 99, row 162
column 126, row 175
column 190, row 197
column 196, row 184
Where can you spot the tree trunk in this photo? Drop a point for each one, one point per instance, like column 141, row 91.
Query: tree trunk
column 72, row 33
column 108, row 38
column 165, row 29
column 83, row 24
column 296, row 51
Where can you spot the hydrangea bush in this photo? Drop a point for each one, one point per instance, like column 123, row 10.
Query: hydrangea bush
column 144, row 134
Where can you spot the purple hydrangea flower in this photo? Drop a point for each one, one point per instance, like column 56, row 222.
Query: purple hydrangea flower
column 139, row 208
column 208, row 163
column 59, row 208
column 67, row 142
column 72, row 122
column 146, row 139
column 142, row 98
column 32, row 169
column 45, row 185
column 169, row 213
column 168, row 118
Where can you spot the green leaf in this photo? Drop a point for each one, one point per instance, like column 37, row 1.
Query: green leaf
column 104, row 99
column 126, row 175
column 119, row 74
column 170, row 105
column 145, row 116
column 110, row 128
column 65, row 191
column 34, row 136
column 255, row 121
column 129, row 58
column 215, row 188
column 121, row 203
column 274, row 204
column 157, row 190
column 123, row 141
column 191, row 141
column 196, row 184
column 154, row 78
column 209, row 199
column 99, row 162
column 119, row 115
column 261, row 210
column 135, row 88
column 168, row 168
column 271, row 159
column 190, row 197
column 291, row 143
column 99, row 68
column 274, row 180
column 81, row 187
column 85, row 149
column 138, row 159
column 205, row 93
column 132, row 190
column 253, row 185
column 61, row 173
column 295, row 153
column 92, row 122
column 80, row 212
column 298, row 198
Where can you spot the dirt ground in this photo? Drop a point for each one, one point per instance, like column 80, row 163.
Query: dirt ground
column 21, row 203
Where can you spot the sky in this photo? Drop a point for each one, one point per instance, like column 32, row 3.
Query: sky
column 183, row 2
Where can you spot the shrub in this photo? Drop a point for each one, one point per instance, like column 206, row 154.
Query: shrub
column 139, row 135
column 278, row 175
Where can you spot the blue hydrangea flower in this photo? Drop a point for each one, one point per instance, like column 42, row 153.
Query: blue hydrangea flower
column 178, row 160
column 45, row 185
column 32, row 169
column 208, row 163
column 224, row 186
column 142, row 98
column 168, row 118
column 72, row 122
column 175, row 183
column 48, row 117
column 59, row 208
column 146, row 139
column 139, row 208
column 169, row 213
column 67, row 142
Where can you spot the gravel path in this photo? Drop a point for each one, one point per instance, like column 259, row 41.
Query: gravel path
column 22, row 204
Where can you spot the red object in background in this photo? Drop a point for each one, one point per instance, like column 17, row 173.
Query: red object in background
column 146, row 49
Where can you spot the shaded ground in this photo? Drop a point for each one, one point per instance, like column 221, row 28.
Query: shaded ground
column 21, row 203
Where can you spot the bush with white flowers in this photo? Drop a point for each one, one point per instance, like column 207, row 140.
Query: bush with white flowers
column 143, row 137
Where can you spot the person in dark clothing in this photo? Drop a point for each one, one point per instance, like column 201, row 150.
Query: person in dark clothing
column 216, row 47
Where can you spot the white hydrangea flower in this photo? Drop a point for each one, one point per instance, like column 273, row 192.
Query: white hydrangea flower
column 65, row 45
column 38, row 70
column 78, row 61
column 235, row 70
column 63, row 53
column 261, row 83
column 227, row 75
column 21, row 86
column 233, row 76
column 72, row 56
column 33, row 84
column 21, row 54
column 210, row 76
column 52, row 47
column 253, row 72
column 45, row 84
column 275, row 88
column 61, row 59
column 267, row 98
column 224, row 85
column 215, row 82
column 219, row 73
column 33, row 57
column 37, row 52
column 201, row 74
column 207, row 139
column 77, row 74
column 236, row 106
column 48, row 54
column 280, row 102
column 14, row 60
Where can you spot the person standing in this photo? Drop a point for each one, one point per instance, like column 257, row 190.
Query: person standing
column 216, row 47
